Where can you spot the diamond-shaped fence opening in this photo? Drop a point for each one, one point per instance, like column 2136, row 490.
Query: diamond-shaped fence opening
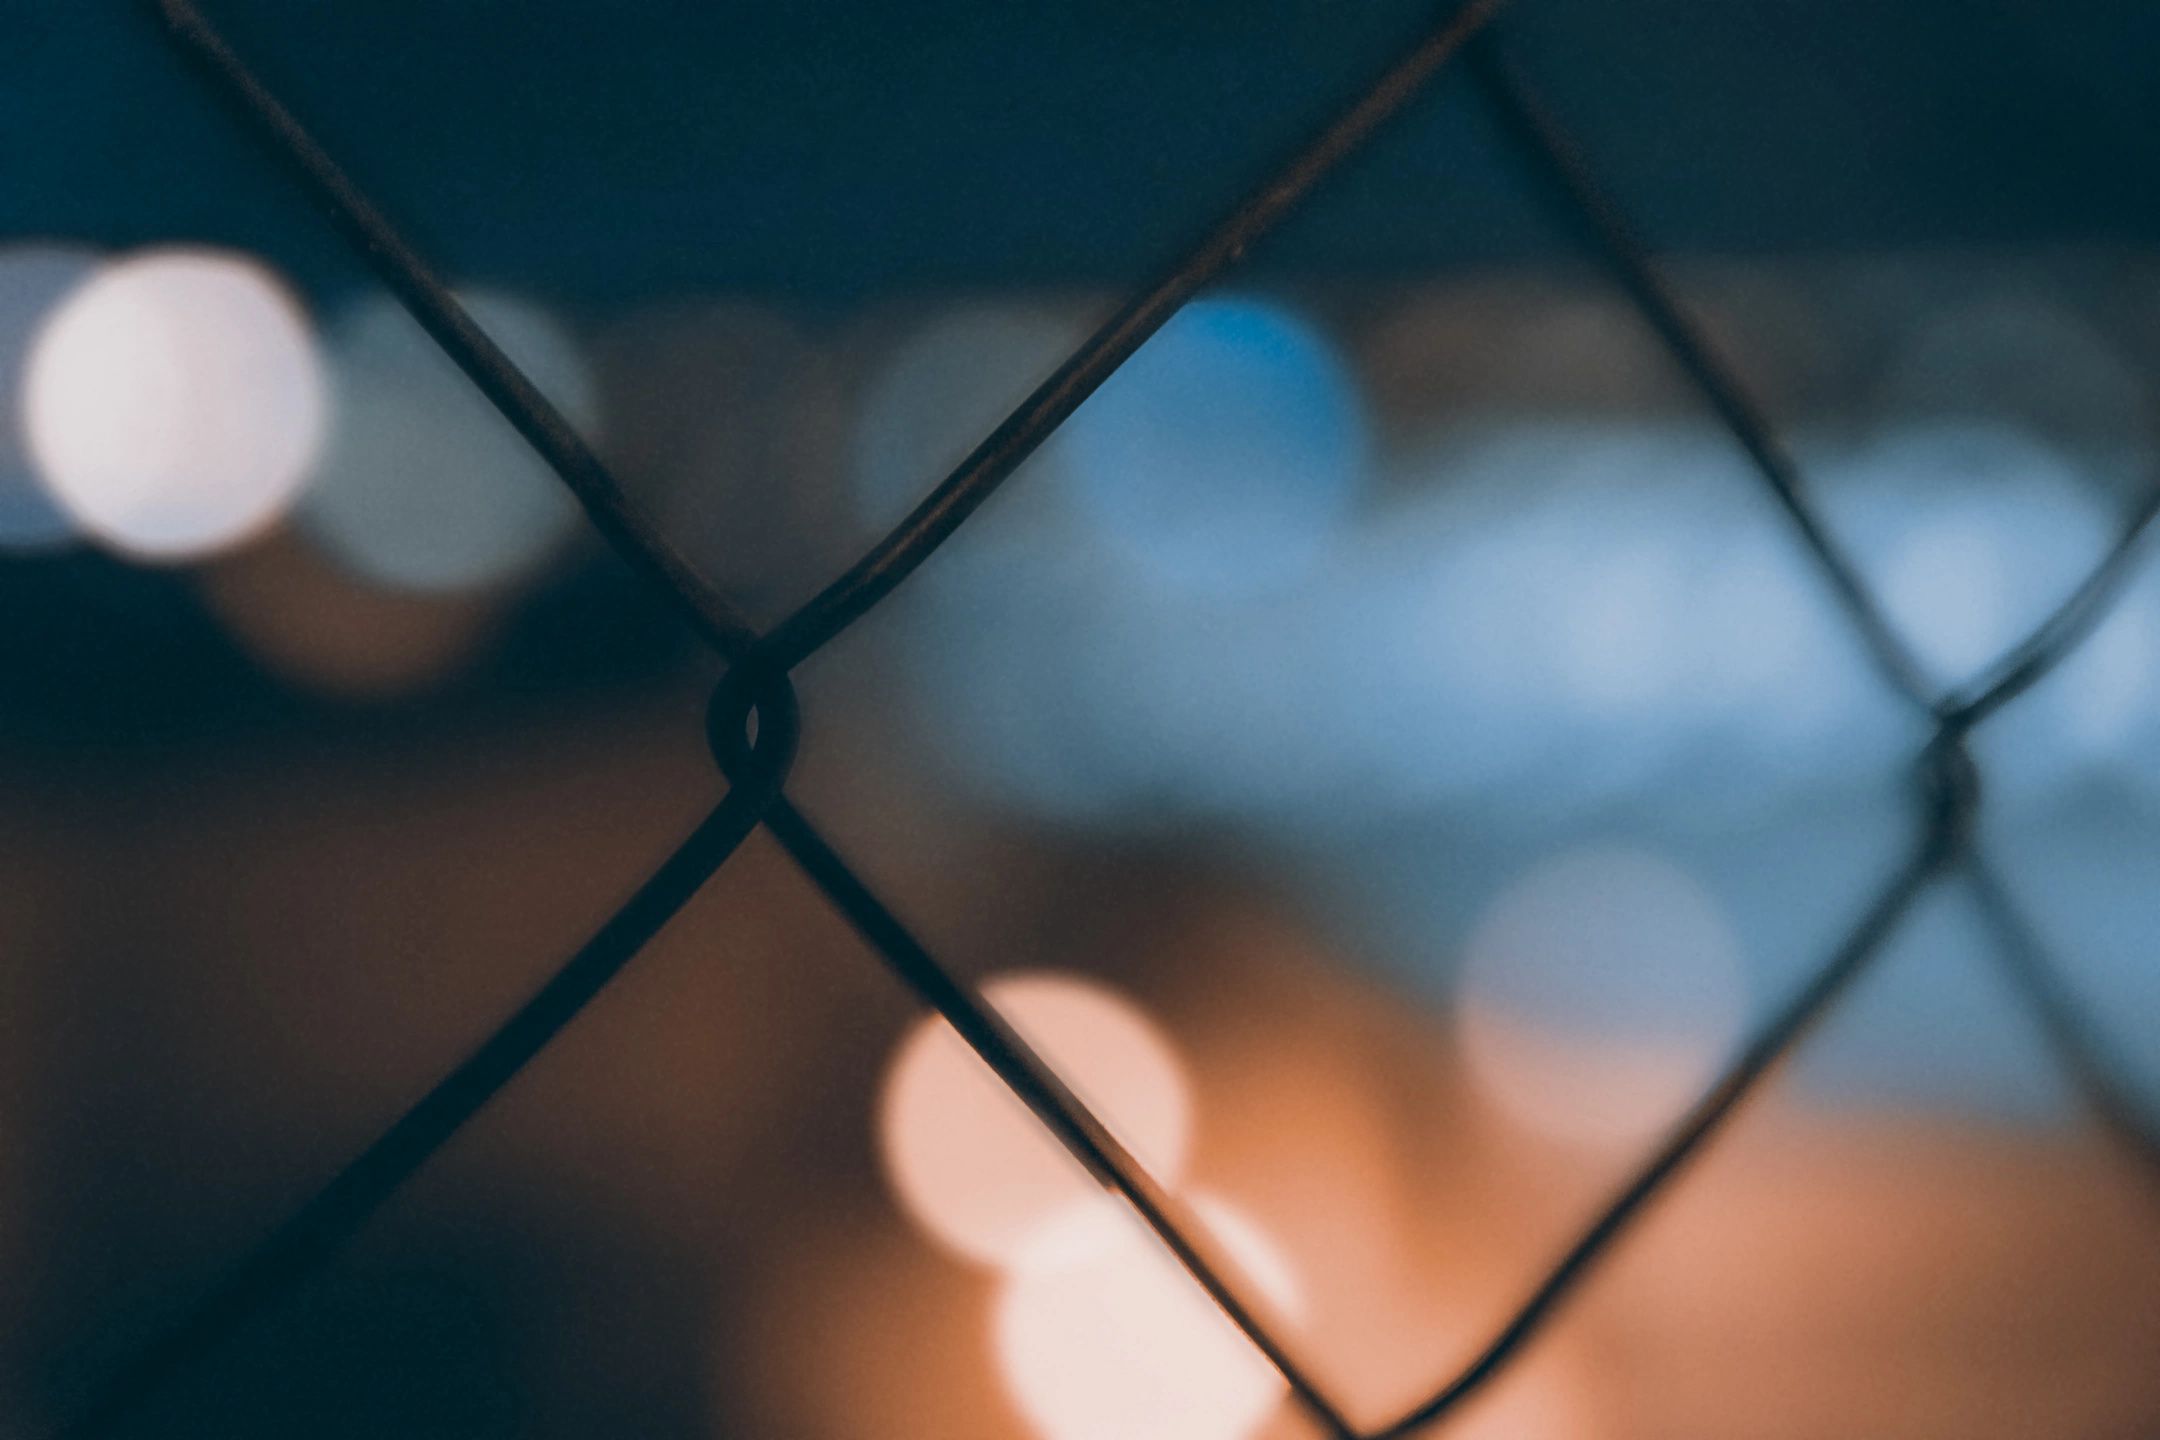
column 753, row 727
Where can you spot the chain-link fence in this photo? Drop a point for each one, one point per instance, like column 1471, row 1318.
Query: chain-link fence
column 753, row 726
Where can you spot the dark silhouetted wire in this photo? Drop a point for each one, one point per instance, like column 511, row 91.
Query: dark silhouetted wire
column 512, row 393
column 756, row 684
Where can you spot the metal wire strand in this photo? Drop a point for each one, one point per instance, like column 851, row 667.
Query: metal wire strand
column 512, row 393
column 358, row 1191
column 1772, row 1044
column 931, row 523
column 370, row 1179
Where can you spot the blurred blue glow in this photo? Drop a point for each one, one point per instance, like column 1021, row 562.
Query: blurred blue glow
column 1974, row 534
column 33, row 280
column 424, row 486
column 2084, row 880
column 1029, row 725
column 1599, row 992
column 941, row 391
column 1935, row 1027
column 1226, row 455
column 1549, row 621
column 1611, row 609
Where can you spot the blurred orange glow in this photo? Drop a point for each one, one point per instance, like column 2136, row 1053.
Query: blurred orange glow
column 967, row 1159
column 1545, row 1397
column 315, row 625
column 1335, row 1118
column 1102, row 1336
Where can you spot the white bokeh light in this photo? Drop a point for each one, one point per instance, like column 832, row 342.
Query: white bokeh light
column 34, row 279
column 968, row 1161
column 174, row 402
column 424, row 486
column 1598, row 994
column 1102, row 1336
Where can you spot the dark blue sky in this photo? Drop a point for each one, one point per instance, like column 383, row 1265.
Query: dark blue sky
column 824, row 150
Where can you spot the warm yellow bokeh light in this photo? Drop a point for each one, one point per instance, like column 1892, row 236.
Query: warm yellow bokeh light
column 1598, row 995
column 1101, row 1335
column 174, row 402
column 968, row 1160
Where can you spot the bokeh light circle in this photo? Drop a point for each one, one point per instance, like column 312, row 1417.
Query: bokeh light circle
column 34, row 280
column 968, row 1161
column 1102, row 1336
column 425, row 486
column 944, row 387
column 1226, row 455
column 1598, row 994
column 175, row 403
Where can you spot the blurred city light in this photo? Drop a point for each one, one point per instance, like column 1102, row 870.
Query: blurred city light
column 424, row 486
column 175, row 402
column 1974, row 534
column 1225, row 456
column 1598, row 995
column 1102, row 1336
column 942, row 389
column 967, row 1160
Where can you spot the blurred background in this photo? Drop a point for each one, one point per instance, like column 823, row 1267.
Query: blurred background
column 1387, row 747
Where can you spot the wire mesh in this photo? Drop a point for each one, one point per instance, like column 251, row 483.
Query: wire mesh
column 756, row 698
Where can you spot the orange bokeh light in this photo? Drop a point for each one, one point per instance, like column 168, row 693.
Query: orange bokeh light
column 968, row 1161
column 1102, row 1336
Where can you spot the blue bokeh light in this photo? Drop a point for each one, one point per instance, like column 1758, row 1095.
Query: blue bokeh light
column 1227, row 454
